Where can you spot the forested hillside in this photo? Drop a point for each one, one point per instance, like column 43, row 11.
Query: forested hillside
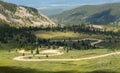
column 94, row 14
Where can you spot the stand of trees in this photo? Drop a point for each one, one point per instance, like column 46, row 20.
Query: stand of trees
column 89, row 29
column 20, row 36
column 24, row 36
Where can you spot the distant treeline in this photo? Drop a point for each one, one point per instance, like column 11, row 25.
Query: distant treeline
column 25, row 36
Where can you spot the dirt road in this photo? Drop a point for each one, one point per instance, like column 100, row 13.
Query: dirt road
column 56, row 52
column 22, row 58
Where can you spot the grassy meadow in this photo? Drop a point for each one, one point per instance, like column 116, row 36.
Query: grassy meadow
column 108, row 64
column 81, row 40
column 66, row 35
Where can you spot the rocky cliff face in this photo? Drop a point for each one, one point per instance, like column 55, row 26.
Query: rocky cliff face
column 23, row 16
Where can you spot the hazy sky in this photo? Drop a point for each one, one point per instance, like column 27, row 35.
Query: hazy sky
column 47, row 4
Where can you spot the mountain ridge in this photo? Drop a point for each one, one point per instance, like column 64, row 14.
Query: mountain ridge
column 94, row 14
column 23, row 16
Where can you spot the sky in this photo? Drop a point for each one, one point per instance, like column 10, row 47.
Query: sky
column 58, row 4
column 44, row 4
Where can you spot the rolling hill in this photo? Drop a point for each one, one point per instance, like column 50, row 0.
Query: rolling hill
column 22, row 16
column 94, row 14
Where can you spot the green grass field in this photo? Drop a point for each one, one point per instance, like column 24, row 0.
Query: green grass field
column 66, row 35
column 111, row 28
column 57, row 35
column 108, row 64
column 73, row 54
column 100, row 65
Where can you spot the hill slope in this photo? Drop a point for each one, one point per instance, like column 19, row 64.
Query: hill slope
column 95, row 14
column 22, row 15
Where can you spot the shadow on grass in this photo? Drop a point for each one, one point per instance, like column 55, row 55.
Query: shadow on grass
column 102, row 71
column 24, row 70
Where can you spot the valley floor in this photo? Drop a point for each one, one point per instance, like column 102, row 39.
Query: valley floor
column 108, row 64
column 23, row 58
column 60, row 61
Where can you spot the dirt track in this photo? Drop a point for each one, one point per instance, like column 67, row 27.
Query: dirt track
column 22, row 58
column 56, row 52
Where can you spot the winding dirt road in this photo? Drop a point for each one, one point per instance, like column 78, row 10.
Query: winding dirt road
column 94, row 43
column 22, row 58
column 57, row 52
